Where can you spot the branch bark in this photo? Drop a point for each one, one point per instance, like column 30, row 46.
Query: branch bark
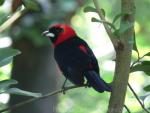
column 112, row 37
column 123, row 59
column 11, row 20
column 17, row 106
column 136, row 96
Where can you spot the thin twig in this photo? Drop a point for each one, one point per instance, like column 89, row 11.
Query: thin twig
column 13, row 107
column 43, row 97
column 112, row 37
column 128, row 110
column 11, row 20
column 136, row 96
column 137, row 61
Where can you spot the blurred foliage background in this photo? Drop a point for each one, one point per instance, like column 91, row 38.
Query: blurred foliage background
column 36, row 70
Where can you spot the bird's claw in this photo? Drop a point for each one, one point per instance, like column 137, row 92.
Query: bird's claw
column 87, row 85
column 64, row 90
column 63, row 86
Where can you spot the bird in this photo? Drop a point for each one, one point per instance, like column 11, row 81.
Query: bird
column 75, row 58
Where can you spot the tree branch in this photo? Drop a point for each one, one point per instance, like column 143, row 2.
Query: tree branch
column 112, row 37
column 11, row 20
column 128, row 110
column 136, row 96
column 137, row 61
column 39, row 98
column 123, row 59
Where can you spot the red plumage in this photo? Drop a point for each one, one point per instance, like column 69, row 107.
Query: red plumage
column 66, row 34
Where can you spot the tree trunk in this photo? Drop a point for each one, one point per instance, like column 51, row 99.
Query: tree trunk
column 123, row 60
column 35, row 70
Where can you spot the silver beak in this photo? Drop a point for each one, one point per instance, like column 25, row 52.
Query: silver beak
column 48, row 34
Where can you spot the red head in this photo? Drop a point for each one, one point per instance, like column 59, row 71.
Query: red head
column 58, row 33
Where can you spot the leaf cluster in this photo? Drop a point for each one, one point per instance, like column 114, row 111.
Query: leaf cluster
column 6, row 57
column 116, row 31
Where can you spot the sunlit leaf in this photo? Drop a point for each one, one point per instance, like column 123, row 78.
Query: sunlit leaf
column 7, row 54
column 147, row 88
column 143, row 66
column 89, row 9
column 105, row 22
column 1, row 2
column 22, row 92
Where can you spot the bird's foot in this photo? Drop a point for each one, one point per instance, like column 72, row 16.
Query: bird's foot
column 63, row 90
column 87, row 85
column 63, row 86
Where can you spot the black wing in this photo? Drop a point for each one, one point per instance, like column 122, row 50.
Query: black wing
column 73, row 60
column 93, row 63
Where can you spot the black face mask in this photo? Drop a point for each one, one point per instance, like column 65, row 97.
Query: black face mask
column 56, row 31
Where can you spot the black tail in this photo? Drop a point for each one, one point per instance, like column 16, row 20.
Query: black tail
column 95, row 81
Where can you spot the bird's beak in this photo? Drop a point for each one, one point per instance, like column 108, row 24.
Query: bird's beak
column 48, row 34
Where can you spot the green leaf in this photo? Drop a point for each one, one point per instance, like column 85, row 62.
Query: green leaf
column 89, row 9
column 31, row 4
column 6, row 61
column 146, row 63
column 103, row 12
column 147, row 88
column 7, row 83
column 105, row 22
column 3, row 17
column 116, row 33
column 22, row 92
column 6, row 55
column 147, row 54
column 96, row 20
column 143, row 66
column 144, row 97
column 118, row 16
column 2, row 2
column 125, row 26
column 135, row 45
column 148, row 73
column 92, row 9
